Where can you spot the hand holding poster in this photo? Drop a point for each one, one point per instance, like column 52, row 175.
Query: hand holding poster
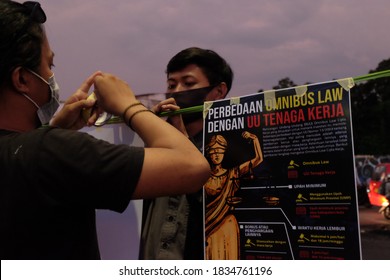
column 282, row 183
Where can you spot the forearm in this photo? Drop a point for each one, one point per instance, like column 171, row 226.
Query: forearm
column 258, row 153
column 154, row 131
column 171, row 159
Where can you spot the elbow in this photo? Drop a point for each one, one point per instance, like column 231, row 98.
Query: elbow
column 206, row 171
column 201, row 172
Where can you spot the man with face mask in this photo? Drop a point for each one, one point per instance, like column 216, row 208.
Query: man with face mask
column 47, row 111
column 173, row 226
column 53, row 177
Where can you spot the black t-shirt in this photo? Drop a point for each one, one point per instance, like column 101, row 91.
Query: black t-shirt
column 52, row 180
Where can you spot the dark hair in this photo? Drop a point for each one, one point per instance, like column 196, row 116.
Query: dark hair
column 216, row 69
column 21, row 36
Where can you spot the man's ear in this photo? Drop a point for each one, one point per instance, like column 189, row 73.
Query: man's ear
column 19, row 79
column 222, row 90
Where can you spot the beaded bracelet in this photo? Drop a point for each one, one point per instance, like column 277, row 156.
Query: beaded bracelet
column 128, row 107
column 132, row 116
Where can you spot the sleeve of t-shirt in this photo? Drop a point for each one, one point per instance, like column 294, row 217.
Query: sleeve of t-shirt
column 86, row 171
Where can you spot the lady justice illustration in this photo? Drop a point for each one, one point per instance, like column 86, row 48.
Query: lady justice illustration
column 222, row 232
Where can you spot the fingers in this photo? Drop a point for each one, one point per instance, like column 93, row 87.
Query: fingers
column 96, row 113
column 82, row 91
column 168, row 101
column 165, row 106
column 86, row 85
column 87, row 108
column 88, row 112
column 70, row 116
column 101, row 79
column 114, row 94
column 247, row 135
column 81, row 104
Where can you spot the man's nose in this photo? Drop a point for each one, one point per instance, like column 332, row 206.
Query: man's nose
column 179, row 87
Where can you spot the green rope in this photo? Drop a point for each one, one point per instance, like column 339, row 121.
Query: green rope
column 196, row 109
column 371, row 76
column 188, row 110
column 358, row 79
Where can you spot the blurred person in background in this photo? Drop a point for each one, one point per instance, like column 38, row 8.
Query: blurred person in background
column 173, row 225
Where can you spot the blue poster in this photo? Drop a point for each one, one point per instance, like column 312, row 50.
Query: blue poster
column 283, row 183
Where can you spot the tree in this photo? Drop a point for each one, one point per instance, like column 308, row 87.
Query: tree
column 370, row 104
column 285, row 83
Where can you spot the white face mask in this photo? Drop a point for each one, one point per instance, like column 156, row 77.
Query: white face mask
column 47, row 111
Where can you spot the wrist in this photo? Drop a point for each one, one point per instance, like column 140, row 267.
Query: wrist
column 132, row 110
column 129, row 122
column 137, row 103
